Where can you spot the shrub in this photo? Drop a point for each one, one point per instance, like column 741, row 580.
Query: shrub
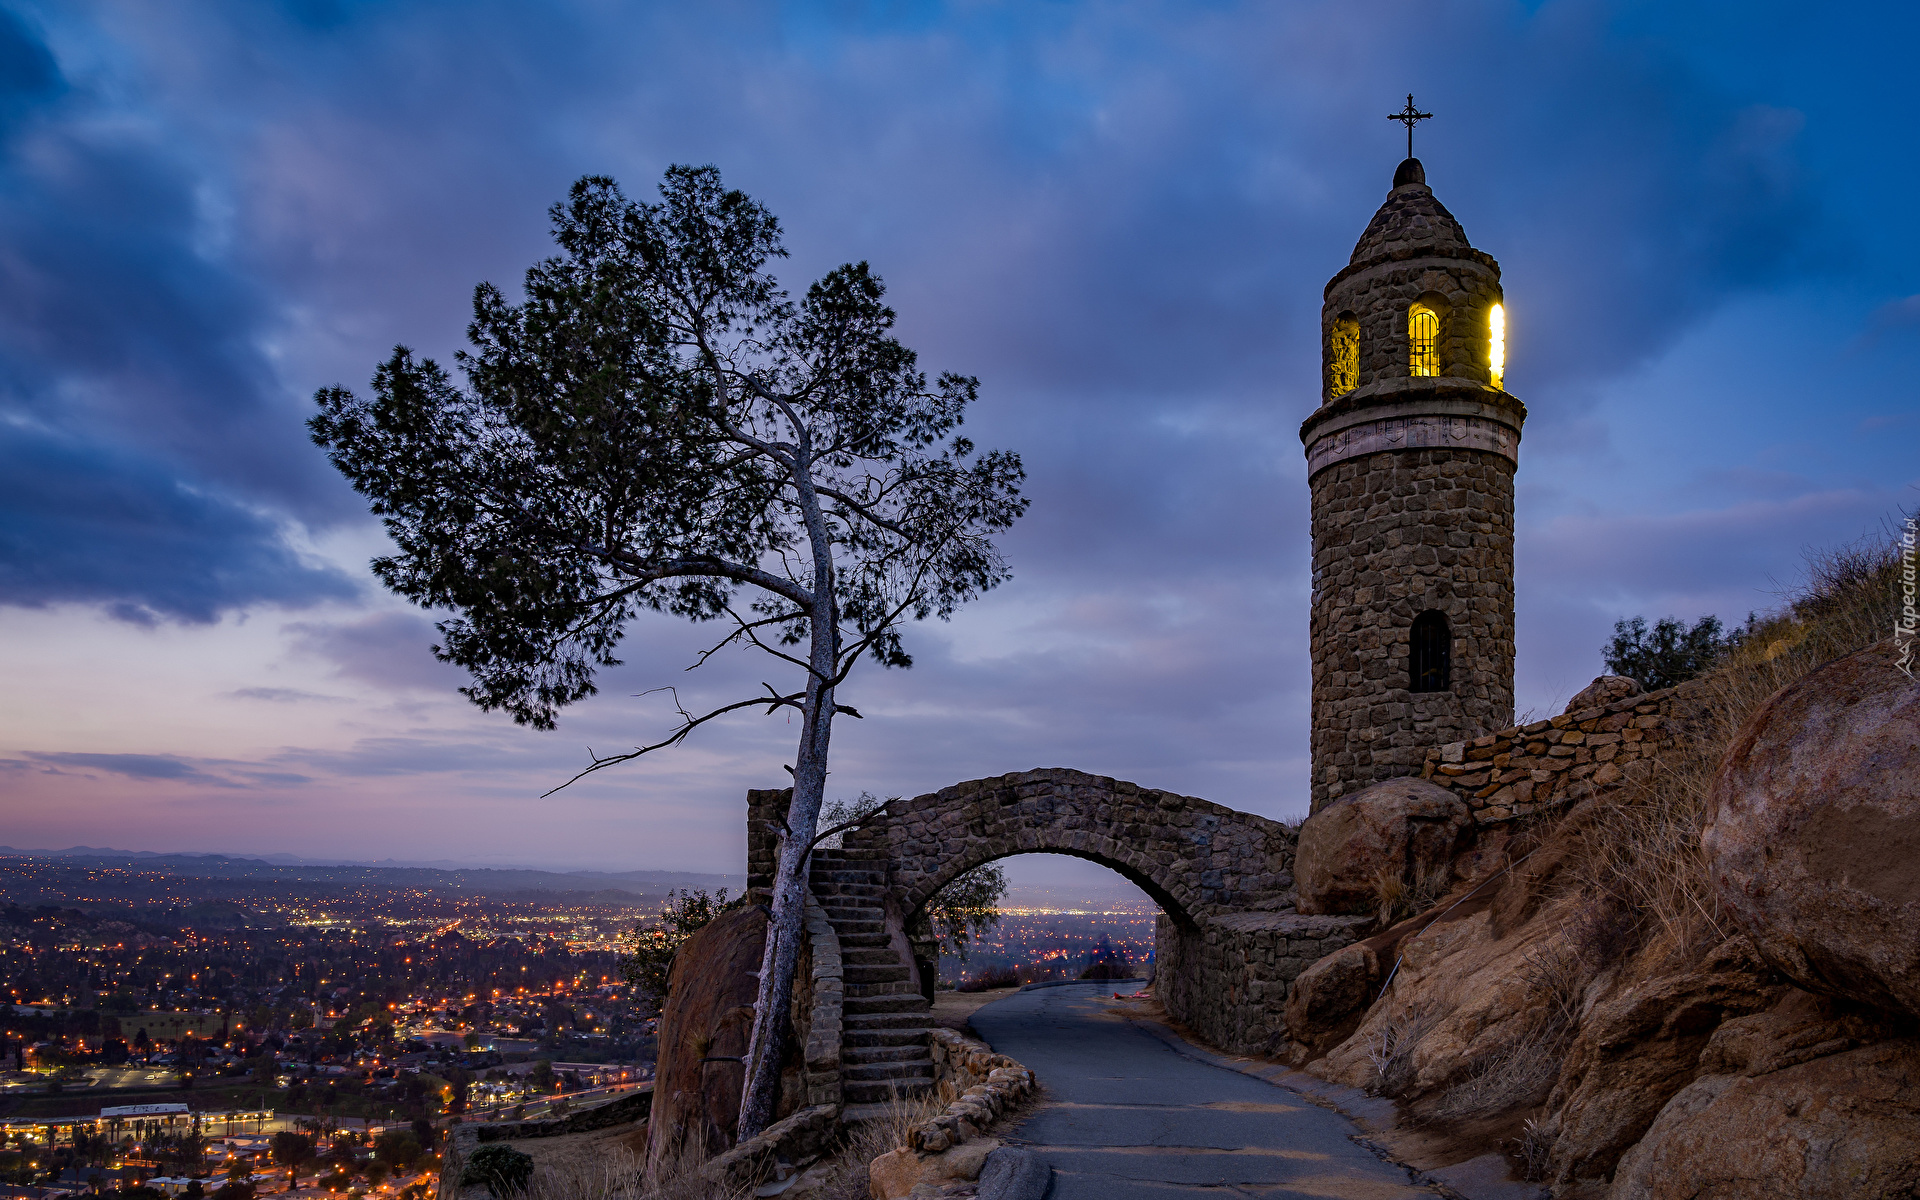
column 992, row 977
column 1669, row 653
column 502, row 1169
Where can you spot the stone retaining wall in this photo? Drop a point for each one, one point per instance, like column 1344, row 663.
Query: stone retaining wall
column 820, row 1035
column 978, row 1085
column 1228, row 979
column 1533, row 768
column 801, row 1137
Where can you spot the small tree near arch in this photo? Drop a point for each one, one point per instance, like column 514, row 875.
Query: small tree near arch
column 658, row 426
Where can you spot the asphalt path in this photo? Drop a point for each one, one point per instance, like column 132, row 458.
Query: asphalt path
column 1126, row 1116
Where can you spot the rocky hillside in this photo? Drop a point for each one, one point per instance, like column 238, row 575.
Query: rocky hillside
column 1709, row 989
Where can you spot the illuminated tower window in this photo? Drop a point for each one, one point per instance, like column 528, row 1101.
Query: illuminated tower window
column 1430, row 654
column 1423, row 341
column 1497, row 344
column 1343, row 356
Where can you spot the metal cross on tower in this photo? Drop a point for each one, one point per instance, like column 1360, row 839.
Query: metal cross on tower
column 1408, row 116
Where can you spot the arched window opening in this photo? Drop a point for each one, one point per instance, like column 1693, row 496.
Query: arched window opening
column 1343, row 356
column 1423, row 341
column 1430, row 654
column 1497, row 344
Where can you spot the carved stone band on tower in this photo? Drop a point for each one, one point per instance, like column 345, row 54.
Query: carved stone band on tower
column 1410, row 458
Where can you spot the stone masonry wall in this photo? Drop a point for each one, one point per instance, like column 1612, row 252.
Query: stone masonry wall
column 1532, row 768
column 1228, row 979
column 819, row 1007
column 1396, row 534
column 766, row 808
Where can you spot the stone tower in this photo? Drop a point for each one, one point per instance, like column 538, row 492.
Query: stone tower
column 1410, row 458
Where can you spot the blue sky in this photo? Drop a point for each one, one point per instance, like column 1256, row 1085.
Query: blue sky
column 1119, row 216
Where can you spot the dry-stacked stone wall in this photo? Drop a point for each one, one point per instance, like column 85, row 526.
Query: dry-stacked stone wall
column 1228, row 979
column 978, row 1085
column 1534, row 768
column 1394, row 535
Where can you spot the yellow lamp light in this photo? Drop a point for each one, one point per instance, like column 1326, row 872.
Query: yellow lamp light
column 1497, row 343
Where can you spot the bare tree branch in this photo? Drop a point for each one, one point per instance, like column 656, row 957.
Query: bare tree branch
column 773, row 702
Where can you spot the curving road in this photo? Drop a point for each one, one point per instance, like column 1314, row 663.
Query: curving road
column 1128, row 1117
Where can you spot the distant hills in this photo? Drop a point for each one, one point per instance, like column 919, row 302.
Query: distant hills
column 438, row 876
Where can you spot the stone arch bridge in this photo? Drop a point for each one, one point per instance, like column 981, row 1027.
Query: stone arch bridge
column 1226, row 947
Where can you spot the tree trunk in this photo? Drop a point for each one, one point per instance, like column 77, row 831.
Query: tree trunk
column 761, row 1093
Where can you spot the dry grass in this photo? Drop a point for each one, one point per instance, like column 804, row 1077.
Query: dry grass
column 889, row 1132
column 1534, row 1150
column 847, row 1172
column 1390, row 1050
column 1397, row 898
column 1645, row 858
column 1522, row 1073
column 607, row 1170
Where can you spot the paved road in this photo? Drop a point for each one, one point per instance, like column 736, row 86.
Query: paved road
column 1126, row 1117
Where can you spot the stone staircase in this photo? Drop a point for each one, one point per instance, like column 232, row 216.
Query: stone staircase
column 884, row 1049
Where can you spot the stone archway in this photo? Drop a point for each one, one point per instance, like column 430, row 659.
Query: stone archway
column 1195, row 858
column 1226, row 949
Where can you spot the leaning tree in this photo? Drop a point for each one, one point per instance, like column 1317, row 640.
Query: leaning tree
column 659, row 426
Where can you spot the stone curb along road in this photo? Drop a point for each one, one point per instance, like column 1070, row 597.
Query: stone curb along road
column 1483, row 1178
column 1135, row 1113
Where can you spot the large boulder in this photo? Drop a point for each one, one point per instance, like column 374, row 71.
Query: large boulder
column 1814, row 830
column 706, row 1021
column 1605, row 689
column 1325, row 1004
column 1841, row 1127
column 1640, row 1045
column 1404, row 829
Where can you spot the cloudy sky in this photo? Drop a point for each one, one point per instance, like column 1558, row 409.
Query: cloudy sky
column 1118, row 215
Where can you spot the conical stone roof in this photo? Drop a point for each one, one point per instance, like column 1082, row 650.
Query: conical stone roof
column 1411, row 222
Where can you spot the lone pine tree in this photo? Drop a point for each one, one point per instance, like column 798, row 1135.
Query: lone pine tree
column 658, row 426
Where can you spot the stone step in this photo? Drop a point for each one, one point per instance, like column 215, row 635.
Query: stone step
column 847, row 891
column 845, row 914
column 880, row 955
column 853, row 929
column 873, row 1099
column 871, row 1022
column 862, row 1055
column 902, row 1035
column 850, row 892
column 847, row 874
column 898, row 1002
column 876, row 991
column 863, row 941
column 912, row 1068
column 873, row 972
